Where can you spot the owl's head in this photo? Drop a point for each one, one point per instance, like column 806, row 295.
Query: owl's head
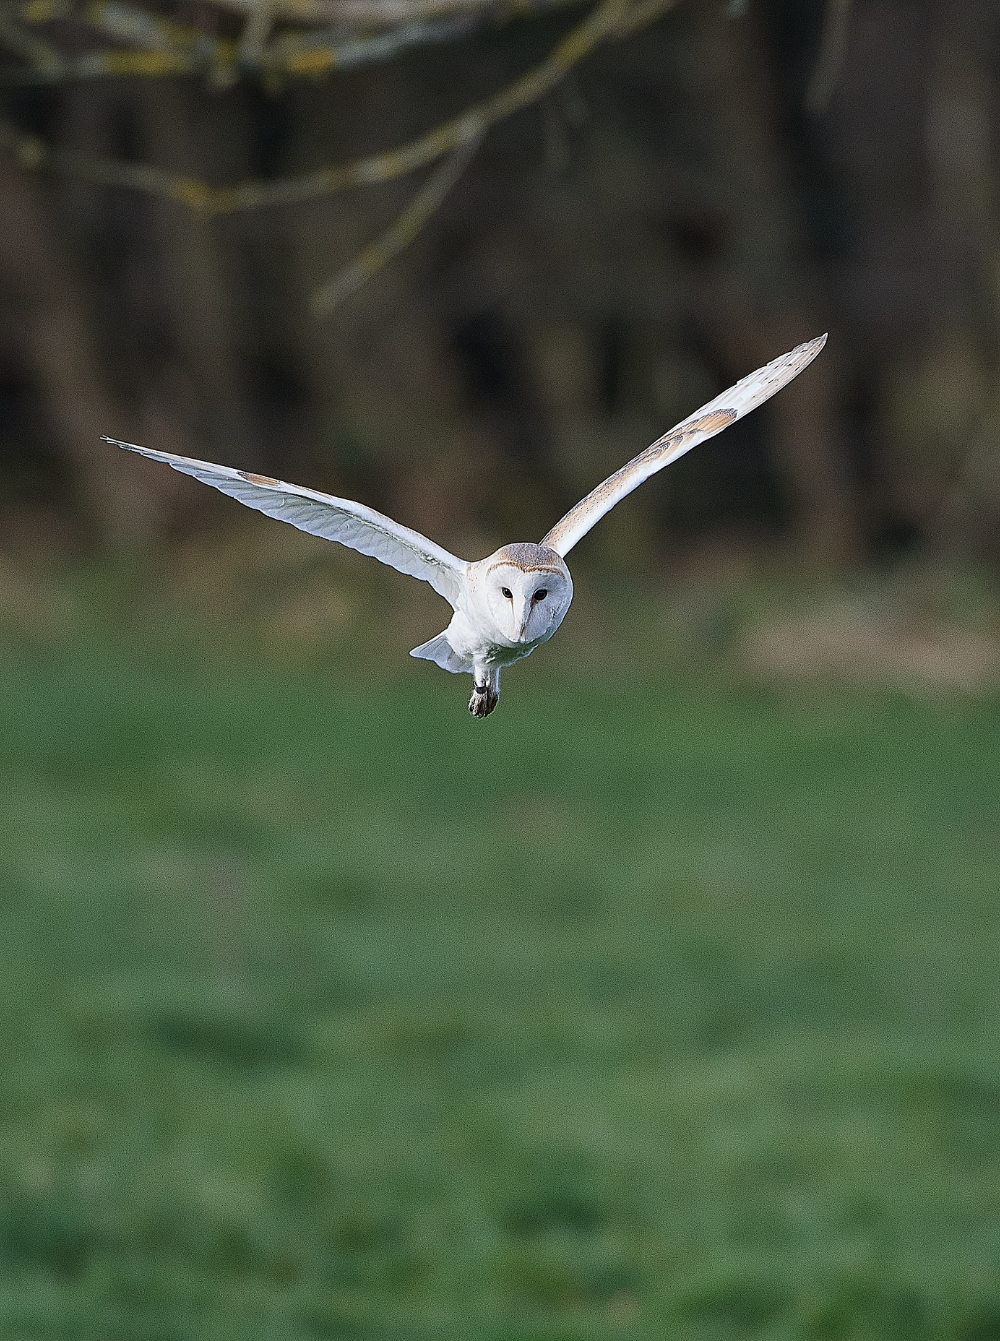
column 527, row 590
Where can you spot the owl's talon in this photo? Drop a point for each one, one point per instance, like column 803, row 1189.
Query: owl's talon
column 484, row 699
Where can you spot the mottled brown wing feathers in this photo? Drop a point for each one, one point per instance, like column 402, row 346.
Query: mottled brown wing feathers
column 712, row 418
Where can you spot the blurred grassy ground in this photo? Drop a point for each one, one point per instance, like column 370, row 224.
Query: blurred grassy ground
column 663, row 1003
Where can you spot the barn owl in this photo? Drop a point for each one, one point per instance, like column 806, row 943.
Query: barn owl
column 507, row 604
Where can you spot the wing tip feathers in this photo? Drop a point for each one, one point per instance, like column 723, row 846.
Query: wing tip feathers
column 129, row 446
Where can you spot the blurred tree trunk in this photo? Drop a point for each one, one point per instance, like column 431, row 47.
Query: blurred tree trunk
column 589, row 438
column 711, row 240
column 911, row 137
column 386, row 401
column 664, row 239
column 763, row 299
column 54, row 310
column 943, row 438
column 195, row 273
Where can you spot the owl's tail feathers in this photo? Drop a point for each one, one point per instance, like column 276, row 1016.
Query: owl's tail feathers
column 440, row 651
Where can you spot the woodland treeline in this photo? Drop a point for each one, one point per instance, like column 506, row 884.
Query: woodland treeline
column 686, row 190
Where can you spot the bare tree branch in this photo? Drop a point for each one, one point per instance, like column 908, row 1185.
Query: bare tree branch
column 607, row 20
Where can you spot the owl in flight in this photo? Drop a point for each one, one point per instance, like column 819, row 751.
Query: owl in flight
column 507, row 604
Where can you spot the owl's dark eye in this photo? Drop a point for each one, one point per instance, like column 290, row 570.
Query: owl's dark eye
column 541, row 594
column 506, row 591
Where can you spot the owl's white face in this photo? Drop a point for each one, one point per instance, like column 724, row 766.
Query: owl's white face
column 526, row 590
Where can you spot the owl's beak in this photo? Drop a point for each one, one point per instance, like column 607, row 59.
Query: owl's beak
column 522, row 611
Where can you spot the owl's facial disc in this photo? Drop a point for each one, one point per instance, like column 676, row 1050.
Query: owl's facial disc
column 528, row 591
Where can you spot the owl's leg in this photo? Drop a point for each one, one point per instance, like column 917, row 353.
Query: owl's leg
column 485, row 690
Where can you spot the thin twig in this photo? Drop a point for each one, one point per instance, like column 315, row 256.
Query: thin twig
column 363, row 13
column 41, row 56
column 136, row 27
column 319, row 52
column 297, row 55
column 832, row 49
column 166, row 49
column 43, row 11
column 110, row 65
column 256, row 31
column 428, row 199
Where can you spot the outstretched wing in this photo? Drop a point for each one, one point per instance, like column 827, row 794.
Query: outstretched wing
column 704, row 423
column 340, row 519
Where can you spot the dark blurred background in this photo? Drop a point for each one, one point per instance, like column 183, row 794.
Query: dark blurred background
column 691, row 200
column 665, row 1002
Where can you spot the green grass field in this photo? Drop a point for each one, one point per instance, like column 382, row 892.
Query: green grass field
column 658, row 1005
